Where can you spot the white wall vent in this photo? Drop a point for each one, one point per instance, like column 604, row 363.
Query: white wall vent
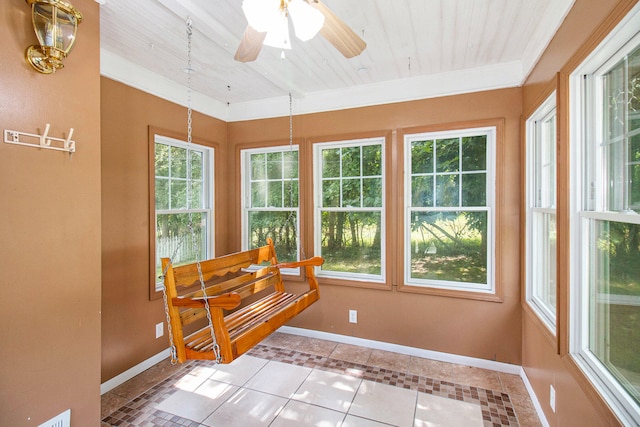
column 62, row 420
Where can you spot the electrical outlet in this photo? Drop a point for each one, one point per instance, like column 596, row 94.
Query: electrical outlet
column 353, row 316
column 552, row 398
column 159, row 330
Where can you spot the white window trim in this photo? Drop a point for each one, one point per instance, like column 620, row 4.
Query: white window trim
column 605, row 55
column 208, row 154
column 547, row 108
column 245, row 167
column 489, row 287
column 317, row 191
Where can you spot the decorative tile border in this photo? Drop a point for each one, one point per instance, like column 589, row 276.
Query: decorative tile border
column 497, row 409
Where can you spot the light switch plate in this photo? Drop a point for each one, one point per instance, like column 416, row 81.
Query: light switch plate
column 353, row 316
column 159, row 330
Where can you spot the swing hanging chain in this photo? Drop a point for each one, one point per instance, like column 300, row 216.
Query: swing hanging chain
column 290, row 147
column 203, row 288
column 172, row 347
column 216, row 347
column 291, row 219
column 189, row 72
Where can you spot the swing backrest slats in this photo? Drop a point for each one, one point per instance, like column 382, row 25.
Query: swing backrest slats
column 238, row 282
column 187, row 275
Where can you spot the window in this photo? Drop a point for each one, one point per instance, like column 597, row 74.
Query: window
column 349, row 217
column 605, row 248
column 541, row 213
column 448, row 223
column 270, row 199
column 183, row 203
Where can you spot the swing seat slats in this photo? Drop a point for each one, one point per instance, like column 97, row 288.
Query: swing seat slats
column 246, row 305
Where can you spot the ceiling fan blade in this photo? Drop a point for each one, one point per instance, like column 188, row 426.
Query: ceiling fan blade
column 250, row 45
column 338, row 33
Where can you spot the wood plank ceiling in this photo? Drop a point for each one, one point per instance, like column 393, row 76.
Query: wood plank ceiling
column 405, row 39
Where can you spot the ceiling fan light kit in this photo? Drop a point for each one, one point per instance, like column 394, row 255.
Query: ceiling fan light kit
column 307, row 21
column 268, row 24
column 278, row 34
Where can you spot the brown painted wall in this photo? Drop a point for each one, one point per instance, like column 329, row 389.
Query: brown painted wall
column 545, row 359
column 473, row 328
column 584, row 18
column 128, row 315
column 49, row 229
column 487, row 329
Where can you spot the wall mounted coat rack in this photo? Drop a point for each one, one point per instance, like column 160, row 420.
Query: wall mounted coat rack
column 41, row 141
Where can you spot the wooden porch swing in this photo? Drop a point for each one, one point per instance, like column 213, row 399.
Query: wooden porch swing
column 241, row 305
column 240, row 298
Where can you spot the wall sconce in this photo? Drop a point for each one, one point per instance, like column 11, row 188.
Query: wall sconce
column 55, row 23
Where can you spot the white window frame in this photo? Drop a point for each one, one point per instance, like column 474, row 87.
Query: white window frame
column 245, row 174
column 208, row 196
column 537, row 208
column 318, row 208
column 587, row 205
column 489, row 287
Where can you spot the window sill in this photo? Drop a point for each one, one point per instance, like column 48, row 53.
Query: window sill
column 452, row 293
column 384, row 286
column 599, row 402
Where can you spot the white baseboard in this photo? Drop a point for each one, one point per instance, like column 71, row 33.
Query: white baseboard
column 507, row 368
column 132, row 372
column 534, row 398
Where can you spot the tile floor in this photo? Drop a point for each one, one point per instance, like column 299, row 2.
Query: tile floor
column 290, row 380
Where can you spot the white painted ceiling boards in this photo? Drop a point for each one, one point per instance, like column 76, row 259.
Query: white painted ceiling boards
column 415, row 49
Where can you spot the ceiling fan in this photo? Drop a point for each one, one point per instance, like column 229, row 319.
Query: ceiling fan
column 268, row 24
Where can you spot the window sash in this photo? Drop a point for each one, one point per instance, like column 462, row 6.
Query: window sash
column 593, row 206
column 598, row 343
column 541, row 252
column 541, row 266
column 204, row 198
column 287, row 203
column 450, row 206
column 365, row 208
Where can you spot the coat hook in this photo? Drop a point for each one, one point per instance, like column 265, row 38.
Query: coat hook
column 68, row 143
column 43, row 137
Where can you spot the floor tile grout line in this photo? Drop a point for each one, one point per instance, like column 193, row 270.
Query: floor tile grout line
column 415, row 409
column 290, row 397
column 326, row 363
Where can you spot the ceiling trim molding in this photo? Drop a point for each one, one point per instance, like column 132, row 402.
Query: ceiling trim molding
column 119, row 69
column 544, row 35
column 497, row 76
column 491, row 77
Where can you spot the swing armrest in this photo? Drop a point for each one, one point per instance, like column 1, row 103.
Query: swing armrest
column 226, row 301
column 315, row 261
